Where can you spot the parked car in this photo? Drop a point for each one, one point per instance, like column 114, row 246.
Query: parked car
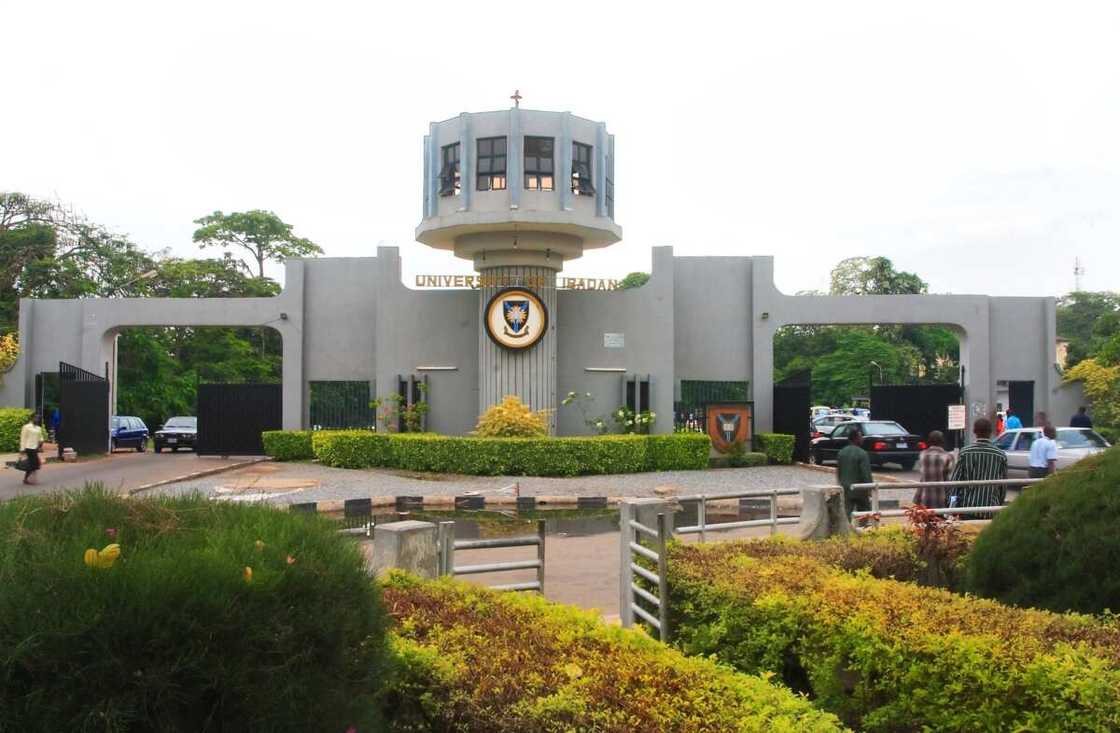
column 861, row 413
column 823, row 425
column 1073, row 445
column 884, row 441
column 128, row 432
column 177, row 432
column 818, row 410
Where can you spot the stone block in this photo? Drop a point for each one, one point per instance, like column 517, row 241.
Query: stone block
column 823, row 513
column 409, row 545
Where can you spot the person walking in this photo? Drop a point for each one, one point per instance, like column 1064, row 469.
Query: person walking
column 935, row 464
column 981, row 461
column 30, row 440
column 1081, row 419
column 1044, row 454
column 854, row 467
column 999, row 425
column 1013, row 421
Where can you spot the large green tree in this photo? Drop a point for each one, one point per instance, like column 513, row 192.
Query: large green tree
column 261, row 234
column 1087, row 320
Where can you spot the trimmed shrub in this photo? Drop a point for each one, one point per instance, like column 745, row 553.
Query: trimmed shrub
column 606, row 454
column 891, row 656
column 679, row 451
column 351, row 448
column 778, row 447
column 511, row 418
column 477, row 660
column 288, row 445
column 177, row 634
column 1057, row 545
column 12, row 419
column 1111, row 433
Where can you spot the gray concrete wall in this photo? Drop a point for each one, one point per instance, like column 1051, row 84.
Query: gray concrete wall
column 712, row 321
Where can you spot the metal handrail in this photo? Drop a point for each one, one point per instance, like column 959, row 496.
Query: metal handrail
column 448, row 544
column 702, row 526
column 876, row 486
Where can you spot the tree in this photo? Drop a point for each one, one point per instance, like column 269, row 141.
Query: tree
column 874, row 276
column 260, row 233
column 634, row 280
column 1087, row 320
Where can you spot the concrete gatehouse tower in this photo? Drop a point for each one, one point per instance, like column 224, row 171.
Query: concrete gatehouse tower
column 518, row 192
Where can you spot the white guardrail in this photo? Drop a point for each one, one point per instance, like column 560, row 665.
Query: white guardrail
column 702, row 527
column 1010, row 483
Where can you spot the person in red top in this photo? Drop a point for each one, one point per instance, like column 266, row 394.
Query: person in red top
column 999, row 424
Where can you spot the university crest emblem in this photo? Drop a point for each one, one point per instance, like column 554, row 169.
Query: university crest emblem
column 729, row 423
column 515, row 318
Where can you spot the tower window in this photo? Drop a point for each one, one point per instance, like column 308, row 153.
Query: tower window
column 492, row 164
column 581, row 170
column 538, row 163
column 449, row 170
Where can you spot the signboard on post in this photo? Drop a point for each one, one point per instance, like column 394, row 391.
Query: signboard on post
column 958, row 417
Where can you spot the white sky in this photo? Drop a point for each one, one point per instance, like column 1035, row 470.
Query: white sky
column 977, row 143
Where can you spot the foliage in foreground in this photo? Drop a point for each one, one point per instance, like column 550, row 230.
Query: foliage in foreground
column 604, row 454
column 1057, row 545
column 476, row 660
column 194, row 626
column 12, row 420
column 892, row 656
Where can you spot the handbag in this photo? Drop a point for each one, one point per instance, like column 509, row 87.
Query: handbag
column 23, row 463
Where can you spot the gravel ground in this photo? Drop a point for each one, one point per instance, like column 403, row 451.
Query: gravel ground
column 305, row 482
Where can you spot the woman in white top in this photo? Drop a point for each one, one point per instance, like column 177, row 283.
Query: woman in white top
column 30, row 441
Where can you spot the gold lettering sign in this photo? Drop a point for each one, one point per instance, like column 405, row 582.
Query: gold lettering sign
column 507, row 281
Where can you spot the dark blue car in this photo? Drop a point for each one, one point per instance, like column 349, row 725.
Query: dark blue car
column 128, row 432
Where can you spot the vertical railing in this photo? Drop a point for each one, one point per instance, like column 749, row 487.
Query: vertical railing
column 632, row 549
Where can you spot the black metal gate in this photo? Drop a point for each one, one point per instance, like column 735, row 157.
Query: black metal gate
column 84, row 410
column 791, row 411
column 1020, row 398
column 231, row 417
column 920, row 408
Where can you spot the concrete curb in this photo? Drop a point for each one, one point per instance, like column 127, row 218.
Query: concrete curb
column 475, row 502
column 200, row 474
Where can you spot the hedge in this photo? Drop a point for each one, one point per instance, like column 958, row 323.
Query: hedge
column 1111, row 433
column 288, row 445
column 891, row 656
column 12, row 419
column 511, row 456
column 1056, row 546
column 214, row 616
column 778, row 447
column 473, row 659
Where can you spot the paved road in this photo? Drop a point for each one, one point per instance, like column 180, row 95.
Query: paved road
column 120, row 471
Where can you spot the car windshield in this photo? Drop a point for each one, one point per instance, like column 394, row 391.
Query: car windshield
column 1080, row 439
column 182, row 422
column 882, row 428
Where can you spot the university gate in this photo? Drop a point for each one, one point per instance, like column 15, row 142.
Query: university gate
column 83, row 404
column 920, row 408
column 791, row 411
column 231, row 417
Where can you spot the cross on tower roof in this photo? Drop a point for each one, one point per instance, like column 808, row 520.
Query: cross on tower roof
column 516, row 97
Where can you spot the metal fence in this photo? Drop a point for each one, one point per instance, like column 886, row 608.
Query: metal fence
column 632, row 549
column 448, row 544
column 702, row 526
column 1011, row 483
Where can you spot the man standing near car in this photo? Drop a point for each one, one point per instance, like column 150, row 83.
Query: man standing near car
column 30, row 440
column 854, row 467
column 1081, row 419
column 1044, row 454
column 935, row 464
column 981, row 461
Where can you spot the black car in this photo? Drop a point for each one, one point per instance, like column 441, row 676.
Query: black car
column 884, row 441
column 176, row 433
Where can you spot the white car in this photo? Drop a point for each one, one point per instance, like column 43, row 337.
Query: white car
column 1073, row 445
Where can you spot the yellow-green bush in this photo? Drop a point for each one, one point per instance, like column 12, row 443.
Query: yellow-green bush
column 511, row 418
column 778, row 447
column 288, row 445
column 604, row 454
column 476, row 660
column 892, row 656
column 12, row 419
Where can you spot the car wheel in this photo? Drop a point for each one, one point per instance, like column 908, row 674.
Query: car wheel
column 113, row 445
column 142, row 446
column 908, row 465
column 158, row 447
column 814, row 458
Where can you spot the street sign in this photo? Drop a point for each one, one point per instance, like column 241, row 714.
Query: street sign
column 958, row 417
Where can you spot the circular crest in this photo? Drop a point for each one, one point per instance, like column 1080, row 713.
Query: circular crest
column 515, row 318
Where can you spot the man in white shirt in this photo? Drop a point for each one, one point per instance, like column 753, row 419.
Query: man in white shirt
column 30, row 440
column 1044, row 454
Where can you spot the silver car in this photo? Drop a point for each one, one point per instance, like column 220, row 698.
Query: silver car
column 1073, row 445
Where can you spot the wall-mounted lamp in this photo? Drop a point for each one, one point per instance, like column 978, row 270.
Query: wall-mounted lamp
column 765, row 315
column 283, row 316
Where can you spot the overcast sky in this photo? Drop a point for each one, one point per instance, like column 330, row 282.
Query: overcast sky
column 976, row 143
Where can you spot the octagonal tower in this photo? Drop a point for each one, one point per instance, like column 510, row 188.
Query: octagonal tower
column 518, row 192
